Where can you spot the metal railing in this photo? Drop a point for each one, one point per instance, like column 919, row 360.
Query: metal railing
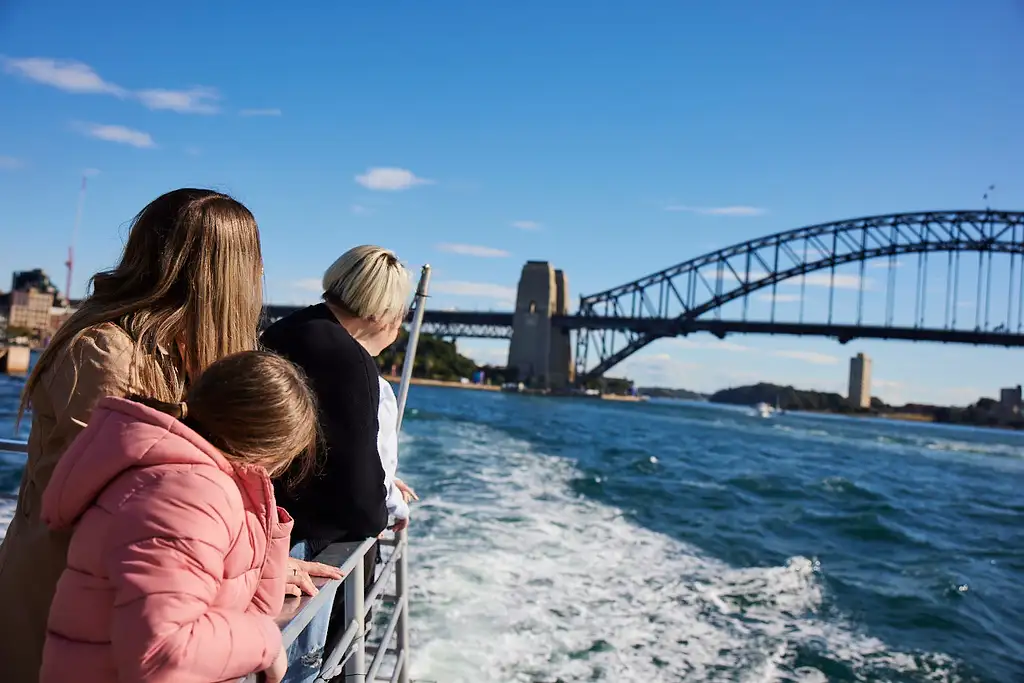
column 346, row 656
column 13, row 446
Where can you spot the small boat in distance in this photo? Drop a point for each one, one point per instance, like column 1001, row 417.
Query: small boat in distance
column 764, row 410
column 778, row 408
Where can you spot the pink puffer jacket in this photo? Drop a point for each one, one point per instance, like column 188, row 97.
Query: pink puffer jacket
column 177, row 562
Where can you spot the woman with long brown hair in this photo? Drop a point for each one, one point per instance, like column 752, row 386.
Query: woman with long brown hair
column 186, row 292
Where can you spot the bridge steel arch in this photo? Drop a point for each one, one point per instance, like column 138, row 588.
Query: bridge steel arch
column 685, row 292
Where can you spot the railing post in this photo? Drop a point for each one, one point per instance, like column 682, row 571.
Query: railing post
column 414, row 338
column 402, row 589
column 355, row 667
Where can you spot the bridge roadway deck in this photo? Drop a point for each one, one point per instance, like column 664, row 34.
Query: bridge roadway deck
column 498, row 324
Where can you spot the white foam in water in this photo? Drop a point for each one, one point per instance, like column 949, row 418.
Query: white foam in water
column 6, row 515
column 519, row 579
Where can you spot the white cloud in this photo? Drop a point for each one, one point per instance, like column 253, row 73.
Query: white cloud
column 197, row 100
column 360, row 210
column 75, row 77
column 390, row 179
column 9, row 163
column 119, row 134
column 526, row 225
column 63, row 74
column 779, row 298
column 484, row 290
column 193, row 151
column 719, row 210
column 472, row 250
column 260, row 112
column 812, row 357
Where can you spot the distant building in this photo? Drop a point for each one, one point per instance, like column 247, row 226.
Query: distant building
column 32, row 279
column 30, row 309
column 1010, row 401
column 58, row 316
column 860, row 381
column 30, row 302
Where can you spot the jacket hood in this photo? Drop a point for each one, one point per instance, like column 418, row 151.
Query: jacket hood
column 121, row 435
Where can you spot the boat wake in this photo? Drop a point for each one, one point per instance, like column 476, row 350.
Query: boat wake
column 516, row 578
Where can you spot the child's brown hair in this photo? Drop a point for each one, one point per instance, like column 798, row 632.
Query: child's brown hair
column 255, row 407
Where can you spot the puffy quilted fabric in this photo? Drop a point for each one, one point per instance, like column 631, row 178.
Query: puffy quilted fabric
column 177, row 561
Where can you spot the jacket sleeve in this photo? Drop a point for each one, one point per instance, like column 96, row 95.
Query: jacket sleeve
column 165, row 560
column 269, row 597
column 387, row 445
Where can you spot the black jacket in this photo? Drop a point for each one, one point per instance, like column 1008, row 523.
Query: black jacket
column 346, row 499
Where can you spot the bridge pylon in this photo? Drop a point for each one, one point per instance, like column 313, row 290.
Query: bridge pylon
column 540, row 352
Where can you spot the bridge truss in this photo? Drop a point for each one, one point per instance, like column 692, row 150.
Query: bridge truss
column 450, row 325
column 690, row 296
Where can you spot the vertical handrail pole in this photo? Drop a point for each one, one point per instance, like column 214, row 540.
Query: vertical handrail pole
column 355, row 667
column 402, row 589
column 414, row 339
column 402, row 570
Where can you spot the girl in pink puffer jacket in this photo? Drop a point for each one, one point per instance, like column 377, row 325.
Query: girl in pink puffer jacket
column 176, row 566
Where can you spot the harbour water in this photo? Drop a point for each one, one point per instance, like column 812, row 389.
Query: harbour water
column 579, row 540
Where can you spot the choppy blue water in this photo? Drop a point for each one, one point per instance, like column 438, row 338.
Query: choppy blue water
column 574, row 540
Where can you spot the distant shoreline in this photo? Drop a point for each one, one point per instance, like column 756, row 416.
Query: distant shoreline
column 902, row 417
column 450, row 384
column 919, row 418
column 394, row 379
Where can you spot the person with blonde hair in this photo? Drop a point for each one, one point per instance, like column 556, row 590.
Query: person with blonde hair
column 187, row 291
column 366, row 298
column 179, row 552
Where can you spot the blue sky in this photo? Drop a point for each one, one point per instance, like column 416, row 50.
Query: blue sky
column 531, row 130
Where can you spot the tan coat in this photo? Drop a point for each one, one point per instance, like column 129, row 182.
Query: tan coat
column 32, row 557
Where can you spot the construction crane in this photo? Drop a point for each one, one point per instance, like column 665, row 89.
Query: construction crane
column 70, row 263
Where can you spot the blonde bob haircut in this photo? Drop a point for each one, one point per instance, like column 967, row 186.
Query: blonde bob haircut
column 370, row 283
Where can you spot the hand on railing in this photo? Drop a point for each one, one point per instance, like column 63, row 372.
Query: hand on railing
column 301, row 573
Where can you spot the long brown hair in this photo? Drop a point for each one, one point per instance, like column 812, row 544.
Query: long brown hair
column 190, row 278
column 256, row 408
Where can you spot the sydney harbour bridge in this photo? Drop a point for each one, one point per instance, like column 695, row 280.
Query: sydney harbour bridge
column 968, row 288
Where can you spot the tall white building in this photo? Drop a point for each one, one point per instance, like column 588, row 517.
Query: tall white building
column 860, row 381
